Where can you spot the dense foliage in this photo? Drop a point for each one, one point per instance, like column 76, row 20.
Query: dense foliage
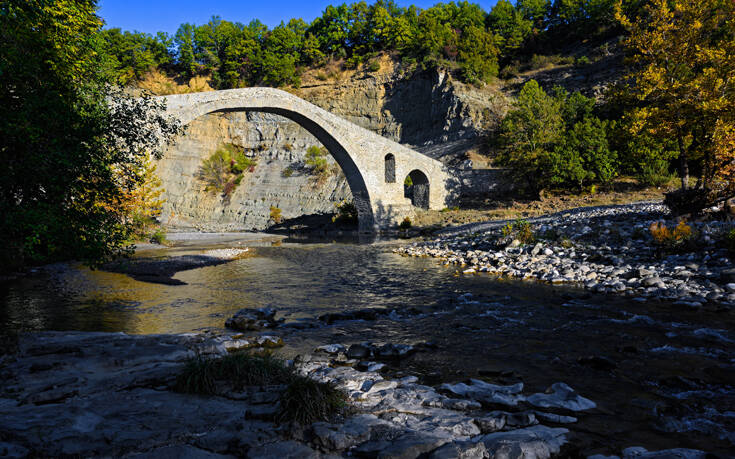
column 459, row 36
column 555, row 141
column 73, row 151
column 682, row 92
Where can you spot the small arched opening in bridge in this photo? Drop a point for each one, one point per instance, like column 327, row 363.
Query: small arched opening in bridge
column 390, row 168
column 416, row 188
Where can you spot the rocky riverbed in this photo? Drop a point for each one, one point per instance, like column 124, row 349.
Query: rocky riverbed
column 606, row 250
column 111, row 394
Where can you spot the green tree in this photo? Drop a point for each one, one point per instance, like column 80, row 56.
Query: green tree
column 131, row 55
column 575, row 107
column 536, row 11
column 184, row 39
column 528, row 134
column 683, row 66
column 555, row 140
column 511, row 27
column 70, row 147
column 583, row 156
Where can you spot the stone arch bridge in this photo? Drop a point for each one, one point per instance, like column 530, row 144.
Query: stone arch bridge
column 375, row 167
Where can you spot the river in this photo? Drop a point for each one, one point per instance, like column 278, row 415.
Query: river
column 661, row 374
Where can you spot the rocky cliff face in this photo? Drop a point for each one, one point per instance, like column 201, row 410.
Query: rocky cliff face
column 280, row 179
column 426, row 110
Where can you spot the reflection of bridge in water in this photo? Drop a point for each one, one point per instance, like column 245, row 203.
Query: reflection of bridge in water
column 376, row 168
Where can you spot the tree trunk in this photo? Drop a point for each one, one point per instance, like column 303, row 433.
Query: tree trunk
column 683, row 164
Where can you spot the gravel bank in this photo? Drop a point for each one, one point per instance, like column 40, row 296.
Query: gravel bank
column 604, row 249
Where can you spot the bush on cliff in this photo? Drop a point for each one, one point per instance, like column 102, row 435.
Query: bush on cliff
column 222, row 172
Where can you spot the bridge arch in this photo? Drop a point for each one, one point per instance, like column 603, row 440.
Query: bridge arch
column 361, row 154
column 416, row 188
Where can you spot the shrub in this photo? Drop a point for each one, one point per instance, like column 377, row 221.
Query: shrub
column 405, row 224
column 158, row 236
column 316, row 159
column 582, row 61
column 275, row 215
column 222, row 172
column 689, row 201
column 539, row 62
column 519, row 229
column 287, row 172
column 673, row 239
column 374, row 66
column 346, row 213
column 655, row 173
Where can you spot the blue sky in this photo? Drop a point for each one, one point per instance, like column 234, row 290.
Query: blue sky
column 152, row 16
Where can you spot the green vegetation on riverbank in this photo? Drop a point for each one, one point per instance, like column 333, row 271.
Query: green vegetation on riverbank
column 73, row 147
column 303, row 400
column 550, row 139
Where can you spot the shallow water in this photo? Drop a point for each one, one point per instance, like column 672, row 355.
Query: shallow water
column 671, row 385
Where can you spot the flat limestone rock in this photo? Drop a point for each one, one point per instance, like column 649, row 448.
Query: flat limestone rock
column 284, row 450
column 637, row 452
column 179, row 452
column 538, row 442
column 461, row 450
column 560, row 395
column 487, row 393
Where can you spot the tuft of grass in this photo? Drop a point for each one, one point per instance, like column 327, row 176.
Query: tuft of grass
column 239, row 369
column 405, row 224
column 304, row 400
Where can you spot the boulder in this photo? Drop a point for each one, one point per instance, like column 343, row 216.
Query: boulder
column 560, row 395
column 252, row 319
column 487, row 393
column 538, row 442
column 460, row 450
column 637, row 452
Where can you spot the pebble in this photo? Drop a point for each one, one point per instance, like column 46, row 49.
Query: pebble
column 605, row 249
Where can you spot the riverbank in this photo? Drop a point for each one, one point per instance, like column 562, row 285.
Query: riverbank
column 112, row 394
column 607, row 249
column 661, row 376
